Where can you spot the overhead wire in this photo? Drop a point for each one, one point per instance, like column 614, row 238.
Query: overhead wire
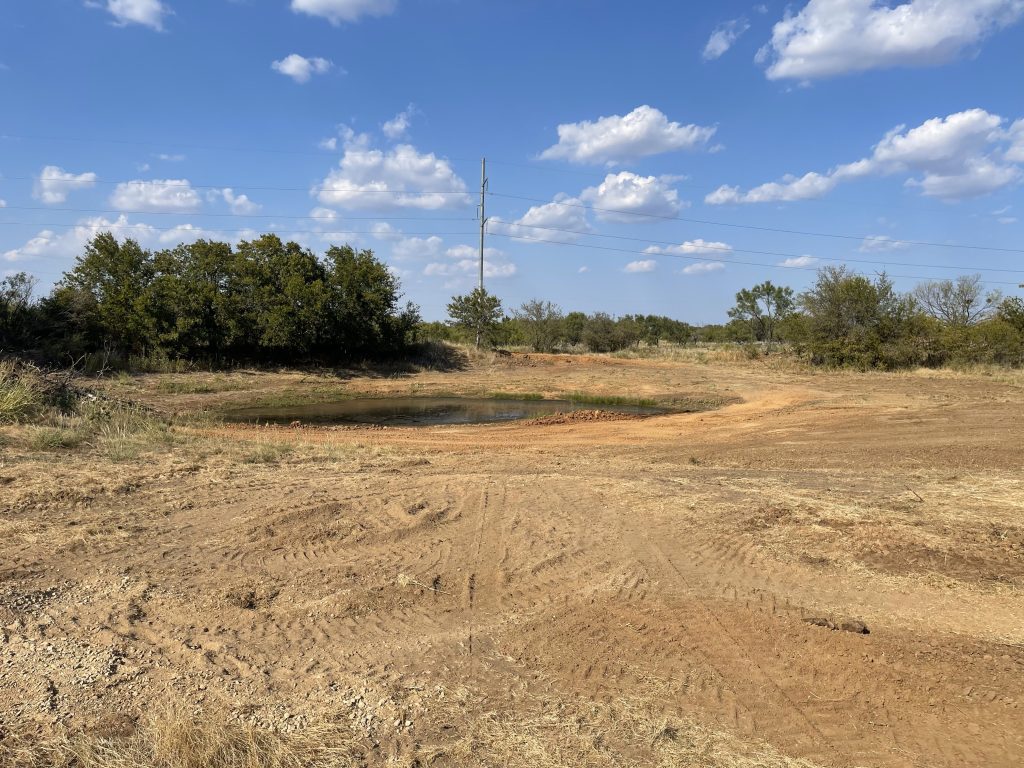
column 706, row 259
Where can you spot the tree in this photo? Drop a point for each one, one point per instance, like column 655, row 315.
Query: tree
column 762, row 307
column 541, row 324
column 1011, row 310
column 959, row 302
column 477, row 312
column 573, row 327
column 17, row 311
column 117, row 277
column 853, row 320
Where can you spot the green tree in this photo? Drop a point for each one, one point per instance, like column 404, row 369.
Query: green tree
column 853, row 320
column 478, row 312
column 573, row 327
column 18, row 312
column 117, row 277
column 762, row 307
column 540, row 323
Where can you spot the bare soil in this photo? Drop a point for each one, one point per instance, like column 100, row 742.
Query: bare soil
column 564, row 591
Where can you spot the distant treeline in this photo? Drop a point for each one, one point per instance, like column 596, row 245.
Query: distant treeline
column 267, row 301
column 262, row 301
column 844, row 319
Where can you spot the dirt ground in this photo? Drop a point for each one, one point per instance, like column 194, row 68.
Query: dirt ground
column 562, row 592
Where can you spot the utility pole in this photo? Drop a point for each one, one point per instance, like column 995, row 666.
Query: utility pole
column 483, row 215
column 483, row 226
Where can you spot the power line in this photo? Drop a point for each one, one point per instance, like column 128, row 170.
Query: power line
column 729, row 249
column 713, row 260
column 231, row 215
column 189, row 228
column 757, row 228
column 190, row 185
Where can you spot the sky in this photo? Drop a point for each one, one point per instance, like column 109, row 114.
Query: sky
column 647, row 157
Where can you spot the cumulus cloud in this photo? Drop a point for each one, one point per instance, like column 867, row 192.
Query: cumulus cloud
column 961, row 155
column 408, row 248
column 623, row 196
column 643, row 132
column 798, row 261
column 703, row 267
column 400, row 177
column 156, row 195
column 69, row 243
column 300, row 69
column 836, row 37
column 646, row 265
column 881, row 243
column 54, row 184
column 340, row 11
column 692, row 248
column 723, row 37
column 465, row 261
column 148, row 13
column 398, row 126
column 239, row 204
column 564, row 220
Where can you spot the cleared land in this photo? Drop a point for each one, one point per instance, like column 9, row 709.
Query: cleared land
column 561, row 592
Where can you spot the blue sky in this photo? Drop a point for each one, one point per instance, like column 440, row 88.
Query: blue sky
column 643, row 157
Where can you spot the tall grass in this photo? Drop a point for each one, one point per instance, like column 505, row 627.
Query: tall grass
column 21, row 396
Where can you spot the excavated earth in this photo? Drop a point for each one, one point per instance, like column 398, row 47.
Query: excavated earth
column 829, row 563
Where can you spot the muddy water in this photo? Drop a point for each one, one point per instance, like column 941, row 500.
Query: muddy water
column 419, row 411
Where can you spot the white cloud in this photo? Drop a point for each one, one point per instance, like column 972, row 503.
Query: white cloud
column 703, row 267
column 960, row 155
column 54, row 184
column 338, row 11
column 1015, row 154
column 625, row 193
column 465, row 261
column 417, row 248
column 170, row 158
column 330, row 144
column 881, row 243
column 798, row 261
column 1007, row 219
column 398, row 126
column 547, row 221
column 155, row 195
column 583, row 270
column 692, row 247
column 401, row 177
column 3, row 203
column 68, row 244
column 384, row 231
column 239, row 204
column 646, row 265
column 148, row 13
column 300, row 69
column 643, row 132
column 835, row 37
column 723, row 37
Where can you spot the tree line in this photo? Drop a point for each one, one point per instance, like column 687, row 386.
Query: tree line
column 269, row 301
column 843, row 319
column 263, row 300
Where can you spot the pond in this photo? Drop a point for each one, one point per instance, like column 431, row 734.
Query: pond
column 419, row 411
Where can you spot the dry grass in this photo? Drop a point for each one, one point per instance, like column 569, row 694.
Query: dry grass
column 549, row 733
column 173, row 738
column 20, row 396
